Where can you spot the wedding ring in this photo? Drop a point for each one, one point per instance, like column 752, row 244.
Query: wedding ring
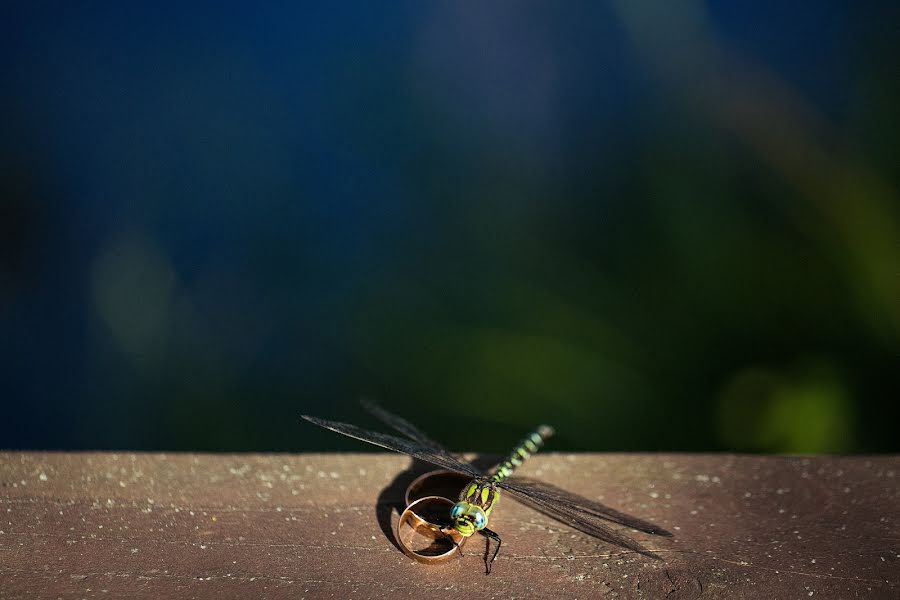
column 419, row 525
column 436, row 483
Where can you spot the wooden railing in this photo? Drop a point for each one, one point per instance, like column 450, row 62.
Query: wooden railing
column 105, row 525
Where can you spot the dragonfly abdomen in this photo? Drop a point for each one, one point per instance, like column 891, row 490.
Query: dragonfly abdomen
column 528, row 446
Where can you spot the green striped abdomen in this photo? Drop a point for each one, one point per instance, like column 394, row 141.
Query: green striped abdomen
column 528, row 446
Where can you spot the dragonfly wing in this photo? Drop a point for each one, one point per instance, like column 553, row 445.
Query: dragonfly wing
column 440, row 458
column 583, row 521
column 578, row 503
column 402, row 425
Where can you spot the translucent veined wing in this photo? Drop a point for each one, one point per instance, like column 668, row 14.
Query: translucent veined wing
column 551, row 493
column 440, row 458
column 576, row 516
column 402, row 425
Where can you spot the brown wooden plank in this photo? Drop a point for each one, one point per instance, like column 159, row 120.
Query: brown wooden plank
column 313, row 526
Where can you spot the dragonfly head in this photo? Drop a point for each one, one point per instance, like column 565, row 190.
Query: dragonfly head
column 468, row 518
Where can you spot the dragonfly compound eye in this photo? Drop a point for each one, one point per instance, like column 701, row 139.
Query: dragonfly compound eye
column 479, row 518
column 458, row 509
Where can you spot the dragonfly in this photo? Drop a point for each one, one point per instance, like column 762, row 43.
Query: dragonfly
column 479, row 497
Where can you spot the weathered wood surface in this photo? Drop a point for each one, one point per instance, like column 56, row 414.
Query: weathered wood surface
column 313, row 526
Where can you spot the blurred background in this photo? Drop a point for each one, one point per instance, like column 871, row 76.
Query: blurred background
column 655, row 225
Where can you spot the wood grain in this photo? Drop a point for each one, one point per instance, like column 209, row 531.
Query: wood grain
column 318, row 526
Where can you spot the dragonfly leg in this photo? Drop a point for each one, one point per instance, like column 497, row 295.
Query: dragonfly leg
column 488, row 536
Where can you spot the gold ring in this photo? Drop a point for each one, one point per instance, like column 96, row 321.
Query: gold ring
column 426, row 528
column 437, row 483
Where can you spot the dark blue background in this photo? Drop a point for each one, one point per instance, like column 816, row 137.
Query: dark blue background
column 653, row 225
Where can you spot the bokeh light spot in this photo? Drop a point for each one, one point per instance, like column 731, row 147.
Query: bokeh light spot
column 807, row 410
column 133, row 283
